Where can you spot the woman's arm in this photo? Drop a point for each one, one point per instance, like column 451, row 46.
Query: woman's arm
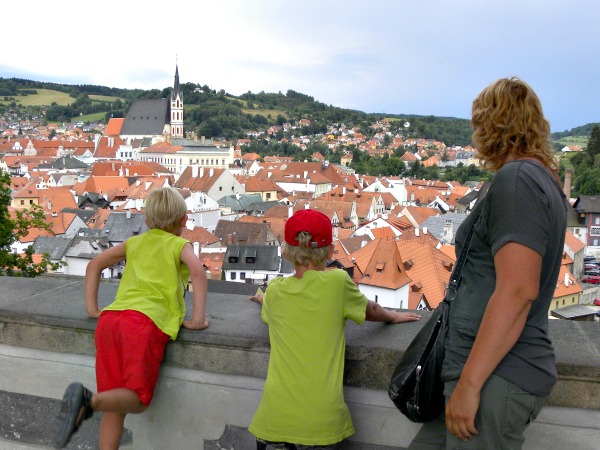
column 518, row 270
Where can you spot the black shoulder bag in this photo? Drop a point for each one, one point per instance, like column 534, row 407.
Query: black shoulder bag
column 416, row 386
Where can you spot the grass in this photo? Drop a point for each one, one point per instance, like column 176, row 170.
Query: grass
column 96, row 117
column 265, row 112
column 45, row 97
column 574, row 140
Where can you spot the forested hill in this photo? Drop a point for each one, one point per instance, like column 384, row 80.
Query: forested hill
column 218, row 114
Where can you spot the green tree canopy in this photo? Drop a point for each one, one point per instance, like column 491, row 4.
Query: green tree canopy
column 11, row 230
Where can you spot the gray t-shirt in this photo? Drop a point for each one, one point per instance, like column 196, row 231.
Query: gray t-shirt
column 524, row 204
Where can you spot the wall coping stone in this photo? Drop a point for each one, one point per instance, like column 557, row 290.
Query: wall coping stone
column 47, row 313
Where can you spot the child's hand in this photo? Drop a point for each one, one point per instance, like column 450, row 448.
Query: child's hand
column 94, row 314
column 257, row 298
column 399, row 317
column 199, row 325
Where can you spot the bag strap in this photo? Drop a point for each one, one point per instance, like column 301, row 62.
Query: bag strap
column 462, row 258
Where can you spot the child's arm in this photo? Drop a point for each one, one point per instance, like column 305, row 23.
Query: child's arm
column 376, row 313
column 199, row 285
column 93, row 272
column 257, row 298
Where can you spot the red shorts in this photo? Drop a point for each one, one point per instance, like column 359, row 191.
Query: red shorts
column 129, row 350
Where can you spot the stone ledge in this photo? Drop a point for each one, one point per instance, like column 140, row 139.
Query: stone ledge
column 47, row 313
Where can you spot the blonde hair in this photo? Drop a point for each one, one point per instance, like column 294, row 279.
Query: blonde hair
column 303, row 254
column 507, row 119
column 164, row 209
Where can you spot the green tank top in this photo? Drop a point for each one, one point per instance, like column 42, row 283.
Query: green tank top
column 154, row 280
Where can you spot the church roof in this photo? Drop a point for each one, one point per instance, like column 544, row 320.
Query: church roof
column 146, row 117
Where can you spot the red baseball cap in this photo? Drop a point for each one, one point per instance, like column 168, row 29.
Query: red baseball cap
column 311, row 221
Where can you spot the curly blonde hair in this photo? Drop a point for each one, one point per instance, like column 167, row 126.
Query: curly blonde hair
column 507, row 119
column 303, row 254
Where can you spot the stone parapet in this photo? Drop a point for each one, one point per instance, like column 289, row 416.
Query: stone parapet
column 43, row 322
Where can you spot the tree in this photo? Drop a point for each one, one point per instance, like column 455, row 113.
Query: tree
column 593, row 145
column 11, row 230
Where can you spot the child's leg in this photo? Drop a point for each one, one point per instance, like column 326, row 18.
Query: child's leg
column 120, row 400
column 111, row 430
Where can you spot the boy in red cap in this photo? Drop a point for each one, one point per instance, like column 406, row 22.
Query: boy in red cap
column 303, row 405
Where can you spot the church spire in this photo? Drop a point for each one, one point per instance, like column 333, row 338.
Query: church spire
column 176, row 108
column 176, row 92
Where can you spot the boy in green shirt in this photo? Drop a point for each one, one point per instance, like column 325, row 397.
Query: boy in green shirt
column 133, row 331
column 303, row 405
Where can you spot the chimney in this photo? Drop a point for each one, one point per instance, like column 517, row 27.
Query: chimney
column 202, row 139
column 424, row 231
column 447, row 233
column 197, row 249
column 567, row 280
column 128, row 214
column 194, row 171
column 127, row 171
column 344, row 190
column 201, row 172
column 363, row 243
column 567, row 186
column 290, row 211
column 416, row 232
column 195, row 138
column 211, row 172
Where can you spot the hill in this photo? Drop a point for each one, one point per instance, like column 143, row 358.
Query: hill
column 215, row 113
column 218, row 114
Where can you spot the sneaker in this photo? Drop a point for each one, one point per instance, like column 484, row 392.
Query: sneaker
column 76, row 407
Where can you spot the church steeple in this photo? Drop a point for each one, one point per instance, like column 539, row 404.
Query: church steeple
column 176, row 108
column 176, row 92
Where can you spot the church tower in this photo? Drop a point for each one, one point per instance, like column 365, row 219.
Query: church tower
column 176, row 108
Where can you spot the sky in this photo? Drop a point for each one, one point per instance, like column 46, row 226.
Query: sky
column 425, row 57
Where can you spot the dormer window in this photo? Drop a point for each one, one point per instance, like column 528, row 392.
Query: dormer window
column 234, row 256
column 251, row 257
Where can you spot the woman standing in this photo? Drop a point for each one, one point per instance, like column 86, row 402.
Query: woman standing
column 499, row 364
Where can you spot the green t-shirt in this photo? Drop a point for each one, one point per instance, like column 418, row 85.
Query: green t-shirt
column 154, row 280
column 303, row 398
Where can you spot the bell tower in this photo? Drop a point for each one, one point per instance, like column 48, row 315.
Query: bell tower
column 176, row 108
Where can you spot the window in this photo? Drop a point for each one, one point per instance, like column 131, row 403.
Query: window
column 220, row 188
column 376, row 299
column 22, row 202
column 597, row 221
column 595, row 230
column 233, row 275
column 242, row 275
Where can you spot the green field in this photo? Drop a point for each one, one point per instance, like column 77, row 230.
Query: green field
column 574, row 140
column 96, row 117
column 45, row 97
column 266, row 112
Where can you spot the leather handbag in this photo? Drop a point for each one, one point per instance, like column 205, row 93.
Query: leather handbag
column 416, row 386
